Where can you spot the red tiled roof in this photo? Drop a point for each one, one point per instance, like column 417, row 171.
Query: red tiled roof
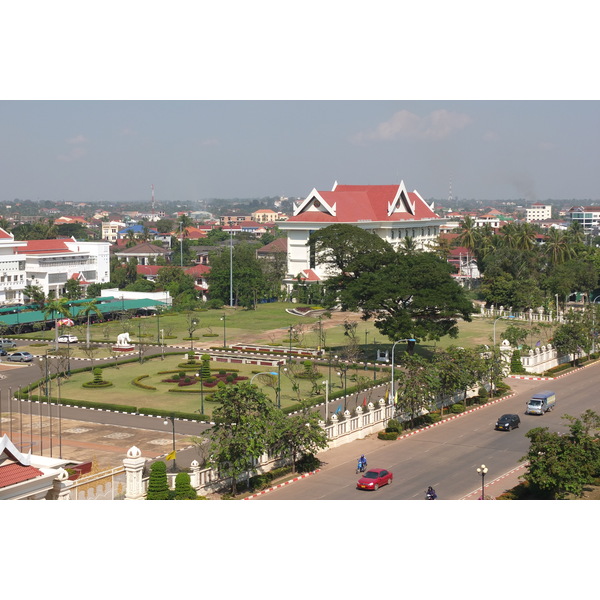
column 309, row 275
column 356, row 203
column 148, row 269
column 197, row 270
column 4, row 234
column 15, row 473
column 278, row 245
column 43, row 247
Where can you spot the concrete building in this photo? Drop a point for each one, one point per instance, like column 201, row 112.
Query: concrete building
column 587, row 216
column 538, row 212
column 389, row 211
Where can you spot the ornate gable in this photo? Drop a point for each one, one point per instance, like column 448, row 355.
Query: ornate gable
column 314, row 202
column 401, row 202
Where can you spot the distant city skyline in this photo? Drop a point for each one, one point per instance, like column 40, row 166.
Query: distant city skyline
column 113, row 151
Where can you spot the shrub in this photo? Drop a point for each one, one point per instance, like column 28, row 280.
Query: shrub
column 158, row 488
column 183, row 487
column 388, row 435
column 394, row 425
column 457, row 408
column 307, row 463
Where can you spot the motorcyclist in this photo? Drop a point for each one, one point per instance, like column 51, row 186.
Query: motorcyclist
column 362, row 463
column 430, row 494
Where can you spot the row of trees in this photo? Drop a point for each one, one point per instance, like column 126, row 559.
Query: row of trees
column 518, row 271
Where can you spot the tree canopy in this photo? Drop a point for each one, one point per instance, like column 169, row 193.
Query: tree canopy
column 410, row 294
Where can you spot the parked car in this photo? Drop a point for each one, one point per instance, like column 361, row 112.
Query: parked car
column 20, row 357
column 3, row 352
column 7, row 344
column 373, row 479
column 67, row 339
column 508, row 422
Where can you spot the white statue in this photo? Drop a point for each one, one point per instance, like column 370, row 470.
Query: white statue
column 123, row 339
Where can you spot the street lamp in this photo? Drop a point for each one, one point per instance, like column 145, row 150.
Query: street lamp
column 275, row 374
column 482, row 470
column 223, row 318
column 162, row 346
column 326, row 383
column 200, row 376
column 172, row 418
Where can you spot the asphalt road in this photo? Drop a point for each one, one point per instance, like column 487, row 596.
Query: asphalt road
column 448, row 455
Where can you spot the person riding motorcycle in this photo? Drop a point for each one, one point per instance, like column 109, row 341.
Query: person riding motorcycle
column 362, row 463
column 430, row 494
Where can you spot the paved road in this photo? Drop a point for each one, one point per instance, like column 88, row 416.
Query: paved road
column 448, row 455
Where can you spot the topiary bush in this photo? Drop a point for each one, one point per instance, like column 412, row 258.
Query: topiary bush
column 158, row 488
column 393, row 425
column 457, row 408
column 183, row 487
column 388, row 435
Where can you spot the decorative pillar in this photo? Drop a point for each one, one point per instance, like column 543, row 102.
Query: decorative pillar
column 61, row 487
column 195, row 475
column 134, row 466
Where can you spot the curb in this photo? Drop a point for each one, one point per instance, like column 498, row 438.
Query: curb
column 261, row 493
column 507, row 474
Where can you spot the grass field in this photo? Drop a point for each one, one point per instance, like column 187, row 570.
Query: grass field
column 268, row 324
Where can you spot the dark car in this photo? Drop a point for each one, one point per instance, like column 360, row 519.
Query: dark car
column 3, row 352
column 20, row 357
column 508, row 422
column 373, row 479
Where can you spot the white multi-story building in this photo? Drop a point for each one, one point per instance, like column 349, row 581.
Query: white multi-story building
column 49, row 264
column 538, row 212
column 389, row 211
column 587, row 216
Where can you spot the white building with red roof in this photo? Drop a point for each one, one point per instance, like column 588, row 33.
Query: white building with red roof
column 49, row 264
column 389, row 211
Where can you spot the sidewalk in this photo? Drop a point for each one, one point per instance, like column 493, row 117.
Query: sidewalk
column 498, row 486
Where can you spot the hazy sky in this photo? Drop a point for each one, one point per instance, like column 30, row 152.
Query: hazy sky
column 192, row 150
column 243, row 99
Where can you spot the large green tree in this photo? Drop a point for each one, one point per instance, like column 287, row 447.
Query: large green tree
column 246, row 426
column 248, row 279
column 558, row 465
column 409, row 295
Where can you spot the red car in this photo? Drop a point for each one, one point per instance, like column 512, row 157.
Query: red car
column 373, row 479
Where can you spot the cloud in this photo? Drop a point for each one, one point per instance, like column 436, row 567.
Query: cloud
column 77, row 149
column 404, row 124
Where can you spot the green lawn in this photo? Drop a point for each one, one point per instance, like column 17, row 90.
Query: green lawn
column 249, row 326
column 125, row 392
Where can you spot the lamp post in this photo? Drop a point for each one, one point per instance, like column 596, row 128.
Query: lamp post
column 291, row 328
column 326, row 401
column 275, row 374
column 172, row 418
column 223, row 318
column 200, row 376
column 162, row 345
column 482, row 470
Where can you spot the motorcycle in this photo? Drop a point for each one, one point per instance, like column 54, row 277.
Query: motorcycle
column 361, row 468
column 430, row 495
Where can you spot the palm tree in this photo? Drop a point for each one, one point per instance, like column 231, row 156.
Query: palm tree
column 408, row 245
column 468, row 237
column 557, row 247
column 55, row 308
column 36, row 295
column 86, row 309
column 525, row 234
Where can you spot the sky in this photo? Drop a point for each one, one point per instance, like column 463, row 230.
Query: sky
column 247, row 100
column 198, row 149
